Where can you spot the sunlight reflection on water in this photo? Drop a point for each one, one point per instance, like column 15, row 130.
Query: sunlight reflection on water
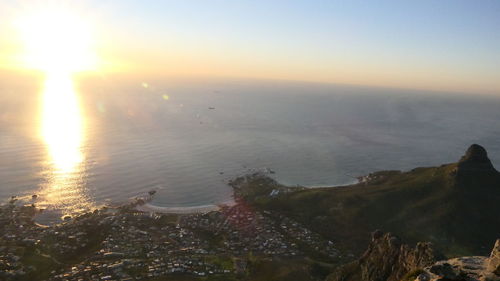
column 63, row 131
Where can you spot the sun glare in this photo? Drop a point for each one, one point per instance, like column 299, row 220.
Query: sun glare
column 56, row 40
column 59, row 43
column 62, row 124
column 62, row 128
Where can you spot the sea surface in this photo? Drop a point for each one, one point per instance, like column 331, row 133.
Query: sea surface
column 186, row 139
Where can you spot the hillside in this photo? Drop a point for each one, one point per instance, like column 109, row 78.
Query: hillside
column 455, row 206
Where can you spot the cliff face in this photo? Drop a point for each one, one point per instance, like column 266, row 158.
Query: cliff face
column 386, row 259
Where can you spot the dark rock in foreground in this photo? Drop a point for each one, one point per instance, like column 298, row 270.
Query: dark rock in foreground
column 494, row 263
column 474, row 268
column 386, row 259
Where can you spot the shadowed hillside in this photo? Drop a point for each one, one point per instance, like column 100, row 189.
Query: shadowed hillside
column 455, row 206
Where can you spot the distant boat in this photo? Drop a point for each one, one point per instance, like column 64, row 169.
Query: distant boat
column 211, row 107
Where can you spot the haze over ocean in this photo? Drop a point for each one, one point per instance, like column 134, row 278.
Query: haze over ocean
column 187, row 139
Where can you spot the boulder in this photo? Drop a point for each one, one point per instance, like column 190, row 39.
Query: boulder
column 494, row 262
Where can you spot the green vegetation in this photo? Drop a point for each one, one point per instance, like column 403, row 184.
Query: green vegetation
column 459, row 216
column 286, row 270
column 44, row 264
column 225, row 262
column 262, row 269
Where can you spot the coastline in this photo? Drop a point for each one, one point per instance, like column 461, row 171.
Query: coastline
column 150, row 208
column 144, row 204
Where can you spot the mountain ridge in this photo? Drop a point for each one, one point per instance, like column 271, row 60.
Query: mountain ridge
column 455, row 206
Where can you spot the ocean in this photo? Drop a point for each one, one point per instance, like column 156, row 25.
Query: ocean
column 186, row 139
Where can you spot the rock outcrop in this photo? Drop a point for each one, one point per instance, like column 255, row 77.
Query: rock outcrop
column 475, row 268
column 387, row 259
column 475, row 161
column 494, row 262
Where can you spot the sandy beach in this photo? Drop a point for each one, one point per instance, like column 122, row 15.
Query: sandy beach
column 148, row 207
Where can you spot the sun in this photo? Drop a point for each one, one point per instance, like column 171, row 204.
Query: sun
column 57, row 39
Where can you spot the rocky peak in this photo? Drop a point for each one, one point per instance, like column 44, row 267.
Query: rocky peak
column 386, row 259
column 475, row 160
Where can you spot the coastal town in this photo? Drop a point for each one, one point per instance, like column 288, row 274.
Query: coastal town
column 126, row 244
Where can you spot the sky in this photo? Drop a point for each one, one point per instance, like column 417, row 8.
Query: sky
column 451, row 45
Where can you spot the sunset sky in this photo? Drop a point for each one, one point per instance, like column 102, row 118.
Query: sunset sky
column 449, row 45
